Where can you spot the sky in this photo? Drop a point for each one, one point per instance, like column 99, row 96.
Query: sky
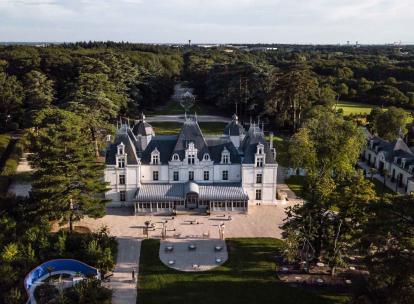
column 209, row 21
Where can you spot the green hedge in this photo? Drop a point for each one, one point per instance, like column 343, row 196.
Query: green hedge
column 11, row 163
column 4, row 142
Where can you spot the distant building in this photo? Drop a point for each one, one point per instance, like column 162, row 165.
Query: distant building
column 395, row 157
column 163, row 173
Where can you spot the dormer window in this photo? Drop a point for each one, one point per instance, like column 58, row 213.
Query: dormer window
column 259, row 162
column 225, row 156
column 260, row 156
column 191, row 153
column 260, row 149
column 155, row 157
column 176, row 157
column 121, row 162
column 206, row 157
column 191, row 159
column 121, row 149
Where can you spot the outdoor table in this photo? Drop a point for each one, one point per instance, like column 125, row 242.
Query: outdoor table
column 218, row 260
column 352, row 268
column 319, row 264
column 171, row 262
column 169, row 248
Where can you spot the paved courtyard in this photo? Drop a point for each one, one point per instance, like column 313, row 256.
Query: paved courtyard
column 261, row 221
column 204, row 255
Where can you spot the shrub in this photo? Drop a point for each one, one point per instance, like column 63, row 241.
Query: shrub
column 11, row 163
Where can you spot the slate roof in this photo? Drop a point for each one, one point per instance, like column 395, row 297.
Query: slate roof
column 165, row 145
column 178, row 191
column 168, row 145
column 142, row 128
column 391, row 149
column 234, row 128
column 216, row 147
column 130, row 150
column 190, row 132
column 254, row 137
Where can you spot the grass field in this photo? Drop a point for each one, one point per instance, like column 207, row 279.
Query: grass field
column 295, row 183
column 354, row 107
column 379, row 187
column 170, row 128
column 173, row 107
column 247, row 277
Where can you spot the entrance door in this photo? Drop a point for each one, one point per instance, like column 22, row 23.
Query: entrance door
column 191, row 201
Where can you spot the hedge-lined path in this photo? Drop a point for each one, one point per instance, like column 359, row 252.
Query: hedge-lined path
column 21, row 187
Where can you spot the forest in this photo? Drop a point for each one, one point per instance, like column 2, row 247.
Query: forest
column 59, row 101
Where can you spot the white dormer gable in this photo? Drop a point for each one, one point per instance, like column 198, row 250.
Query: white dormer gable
column 155, row 157
column 191, row 154
column 121, row 149
column 259, row 157
column 260, row 149
column 225, row 156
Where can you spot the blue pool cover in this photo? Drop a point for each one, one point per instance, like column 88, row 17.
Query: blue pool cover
column 58, row 265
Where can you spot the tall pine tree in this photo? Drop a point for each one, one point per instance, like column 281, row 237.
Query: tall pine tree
column 68, row 181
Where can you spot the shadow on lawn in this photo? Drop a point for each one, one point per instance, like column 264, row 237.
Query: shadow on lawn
column 247, row 277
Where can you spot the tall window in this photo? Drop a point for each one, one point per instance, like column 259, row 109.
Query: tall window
column 190, row 175
column 259, row 162
column 259, row 178
column 121, row 162
column 225, row 175
column 206, row 175
column 155, row 175
column 155, row 159
column 191, row 159
column 122, row 179
column 175, row 175
column 122, row 196
column 258, row 194
column 225, row 158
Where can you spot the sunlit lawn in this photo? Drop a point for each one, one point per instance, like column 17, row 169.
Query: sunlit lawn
column 247, row 277
column 354, row 107
column 171, row 128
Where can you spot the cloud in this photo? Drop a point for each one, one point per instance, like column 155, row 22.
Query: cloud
column 207, row 20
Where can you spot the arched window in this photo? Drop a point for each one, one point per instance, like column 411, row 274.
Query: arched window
column 176, row 157
column 206, row 156
column 155, row 157
column 225, row 156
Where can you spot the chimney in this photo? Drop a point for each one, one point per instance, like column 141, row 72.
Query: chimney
column 271, row 140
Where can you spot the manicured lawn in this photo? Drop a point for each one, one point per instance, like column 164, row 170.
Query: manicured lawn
column 355, row 107
column 165, row 128
column 379, row 187
column 295, row 183
column 174, row 108
column 247, row 277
